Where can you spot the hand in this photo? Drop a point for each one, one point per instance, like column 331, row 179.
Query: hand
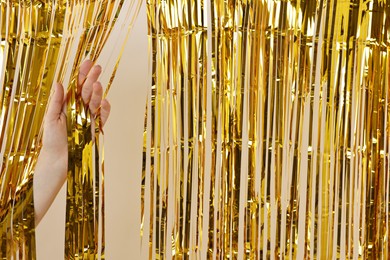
column 52, row 165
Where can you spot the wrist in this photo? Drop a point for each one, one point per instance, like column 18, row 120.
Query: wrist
column 54, row 161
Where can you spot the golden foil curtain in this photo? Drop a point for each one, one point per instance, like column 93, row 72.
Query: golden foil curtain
column 267, row 130
column 29, row 46
column 43, row 41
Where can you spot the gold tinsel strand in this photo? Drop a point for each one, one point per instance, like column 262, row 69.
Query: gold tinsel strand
column 266, row 130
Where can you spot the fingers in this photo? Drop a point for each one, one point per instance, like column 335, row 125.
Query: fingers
column 56, row 103
column 87, row 88
column 96, row 97
column 83, row 72
column 105, row 110
column 92, row 91
column 97, row 102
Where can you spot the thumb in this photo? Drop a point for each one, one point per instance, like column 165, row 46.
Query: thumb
column 56, row 102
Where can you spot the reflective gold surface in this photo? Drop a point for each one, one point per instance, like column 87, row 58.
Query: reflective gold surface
column 88, row 28
column 30, row 41
column 266, row 131
column 43, row 41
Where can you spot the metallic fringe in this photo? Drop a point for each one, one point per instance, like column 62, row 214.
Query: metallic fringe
column 43, row 41
column 267, row 130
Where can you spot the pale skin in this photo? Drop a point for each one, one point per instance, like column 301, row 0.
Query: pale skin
column 52, row 165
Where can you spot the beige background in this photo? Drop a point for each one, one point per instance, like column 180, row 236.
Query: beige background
column 123, row 158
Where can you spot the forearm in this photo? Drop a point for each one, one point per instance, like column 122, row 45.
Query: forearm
column 49, row 177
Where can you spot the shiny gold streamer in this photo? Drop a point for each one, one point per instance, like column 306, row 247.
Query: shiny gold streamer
column 29, row 45
column 267, row 130
column 42, row 41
